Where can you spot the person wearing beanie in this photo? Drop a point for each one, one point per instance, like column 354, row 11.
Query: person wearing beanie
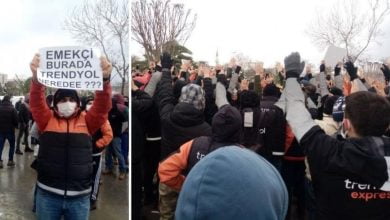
column 118, row 117
column 24, row 115
column 8, row 123
column 226, row 127
column 179, row 123
column 350, row 177
column 327, row 123
column 65, row 152
column 272, row 126
column 100, row 139
column 249, row 109
column 232, row 183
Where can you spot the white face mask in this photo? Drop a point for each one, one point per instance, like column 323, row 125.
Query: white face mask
column 88, row 107
column 66, row 109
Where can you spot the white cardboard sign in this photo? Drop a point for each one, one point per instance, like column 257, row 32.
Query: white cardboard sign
column 70, row 68
column 334, row 55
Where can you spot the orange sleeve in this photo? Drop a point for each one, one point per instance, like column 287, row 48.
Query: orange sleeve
column 171, row 168
column 347, row 88
column 98, row 113
column 289, row 137
column 39, row 109
column 106, row 135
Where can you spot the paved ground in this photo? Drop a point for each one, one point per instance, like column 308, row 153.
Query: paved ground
column 17, row 185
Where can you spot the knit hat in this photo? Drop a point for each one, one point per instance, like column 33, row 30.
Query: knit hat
column 336, row 91
column 193, row 94
column 249, row 99
column 338, row 109
column 118, row 98
column 85, row 101
column 271, row 90
column 226, row 125
column 62, row 93
column 232, row 183
column 328, row 104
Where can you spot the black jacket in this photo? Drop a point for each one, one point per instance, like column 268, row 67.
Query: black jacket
column 179, row 123
column 272, row 127
column 348, row 174
column 141, row 103
column 8, row 117
column 116, row 118
column 24, row 113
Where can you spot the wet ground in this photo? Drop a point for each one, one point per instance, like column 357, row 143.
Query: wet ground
column 17, row 186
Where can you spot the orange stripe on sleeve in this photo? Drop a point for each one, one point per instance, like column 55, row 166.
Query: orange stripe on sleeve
column 170, row 170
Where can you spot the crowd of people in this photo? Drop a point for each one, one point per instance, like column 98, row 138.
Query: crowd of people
column 69, row 136
column 210, row 143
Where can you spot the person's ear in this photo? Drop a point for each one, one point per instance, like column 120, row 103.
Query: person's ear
column 347, row 124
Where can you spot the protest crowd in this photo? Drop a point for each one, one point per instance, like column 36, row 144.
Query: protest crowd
column 295, row 143
column 74, row 139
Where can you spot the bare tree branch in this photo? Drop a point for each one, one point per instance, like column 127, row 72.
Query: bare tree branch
column 105, row 24
column 348, row 27
column 156, row 22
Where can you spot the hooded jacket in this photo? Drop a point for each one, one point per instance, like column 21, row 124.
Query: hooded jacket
column 141, row 103
column 232, row 183
column 8, row 117
column 350, row 177
column 226, row 131
column 179, row 123
column 65, row 152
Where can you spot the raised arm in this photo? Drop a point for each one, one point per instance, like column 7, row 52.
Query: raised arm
column 164, row 93
column 98, row 113
column 39, row 109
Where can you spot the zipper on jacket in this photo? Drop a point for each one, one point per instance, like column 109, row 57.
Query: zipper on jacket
column 66, row 157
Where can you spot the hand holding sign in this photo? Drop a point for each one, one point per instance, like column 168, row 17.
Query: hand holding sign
column 34, row 66
column 106, row 67
column 71, row 68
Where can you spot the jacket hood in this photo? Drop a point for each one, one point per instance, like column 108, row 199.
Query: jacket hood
column 232, row 183
column 226, row 125
column 369, row 160
column 186, row 115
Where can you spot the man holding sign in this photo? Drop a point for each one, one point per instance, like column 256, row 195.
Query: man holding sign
column 65, row 153
column 70, row 68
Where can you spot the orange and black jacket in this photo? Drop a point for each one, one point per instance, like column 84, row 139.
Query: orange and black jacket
column 65, row 152
column 101, row 138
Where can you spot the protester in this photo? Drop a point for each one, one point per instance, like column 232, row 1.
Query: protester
column 141, row 102
column 232, row 183
column 24, row 115
column 273, row 126
column 226, row 130
column 100, row 139
column 65, row 154
column 8, row 123
column 179, row 124
column 350, row 177
column 117, row 116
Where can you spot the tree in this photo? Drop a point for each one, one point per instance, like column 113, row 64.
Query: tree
column 105, row 24
column 156, row 22
column 345, row 25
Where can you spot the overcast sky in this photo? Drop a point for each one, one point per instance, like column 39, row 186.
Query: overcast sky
column 263, row 30
column 26, row 26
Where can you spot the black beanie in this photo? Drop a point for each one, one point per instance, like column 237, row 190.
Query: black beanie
column 249, row 99
column 336, row 91
column 271, row 90
column 328, row 105
column 61, row 93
